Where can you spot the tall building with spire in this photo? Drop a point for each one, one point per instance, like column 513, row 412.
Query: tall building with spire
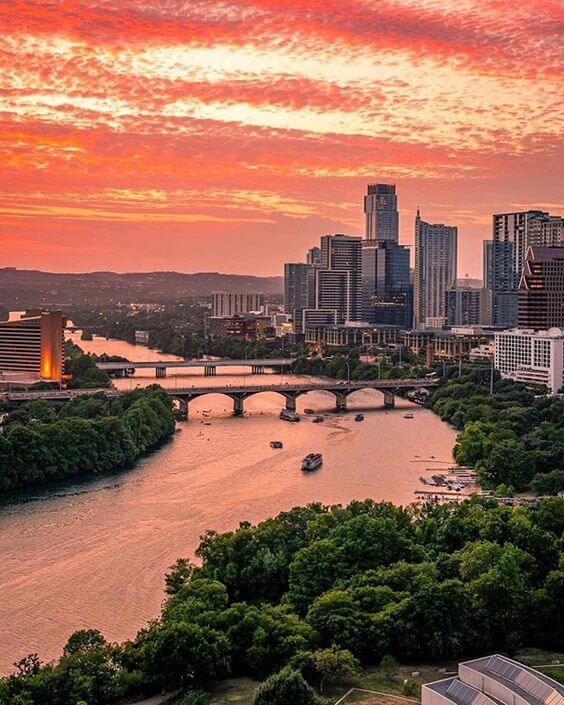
column 381, row 212
column 435, row 271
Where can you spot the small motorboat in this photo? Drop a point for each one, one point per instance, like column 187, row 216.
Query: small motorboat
column 276, row 444
column 312, row 462
column 359, row 417
column 309, row 412
column 286, row 415
column 318, row 419
column 408, row 416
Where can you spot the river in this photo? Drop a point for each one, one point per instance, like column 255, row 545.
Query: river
column 93, row 553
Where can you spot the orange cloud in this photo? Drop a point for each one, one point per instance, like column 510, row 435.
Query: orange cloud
column 259, row 121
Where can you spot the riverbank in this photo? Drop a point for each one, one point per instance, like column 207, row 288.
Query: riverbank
column 43, row 441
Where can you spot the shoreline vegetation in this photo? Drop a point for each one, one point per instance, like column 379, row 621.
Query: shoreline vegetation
column 304, row 601
column 43, row 441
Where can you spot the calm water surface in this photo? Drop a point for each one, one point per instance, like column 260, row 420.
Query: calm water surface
column 94, row 553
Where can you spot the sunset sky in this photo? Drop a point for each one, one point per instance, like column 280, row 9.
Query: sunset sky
column 228, row 136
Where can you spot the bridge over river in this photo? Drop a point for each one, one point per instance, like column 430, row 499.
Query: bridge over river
column 290, row 391
column 258, row 366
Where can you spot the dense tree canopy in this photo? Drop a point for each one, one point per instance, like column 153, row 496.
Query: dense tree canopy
column 46, row 441
column 421, row 583
column 512, row 438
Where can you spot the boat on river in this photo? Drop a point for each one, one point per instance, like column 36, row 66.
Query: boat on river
column 286, row 415
column 312, row 462
column 276, row 444
column 359, row 417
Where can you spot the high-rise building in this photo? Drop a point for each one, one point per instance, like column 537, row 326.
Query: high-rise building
column 387, row 292
column 435, row 271
column 296, row 288
column 510, row 233
column 487, row 263
column 381, row 211
column 546, row 230
column 541, row 289
column 531, row 357
column 313, row 256
column 228, row 303
column 338, row 279
column 465, row 306
column 34, row 345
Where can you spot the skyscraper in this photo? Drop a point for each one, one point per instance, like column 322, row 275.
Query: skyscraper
column 338, row 279
column 313, row 255
column 487, row 263
column 381, row 211
column 464, row 306
column 435, row 271
column 387, row 293
column 510, row 232
column 296, row 289
column 546, row 230
column 541, row 289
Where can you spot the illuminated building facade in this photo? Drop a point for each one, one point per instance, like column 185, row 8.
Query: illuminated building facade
column 34, row 345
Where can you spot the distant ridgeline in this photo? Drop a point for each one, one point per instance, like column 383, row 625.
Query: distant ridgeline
column 44, row 441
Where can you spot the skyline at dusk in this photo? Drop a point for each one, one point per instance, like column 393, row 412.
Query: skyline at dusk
column 229, row 136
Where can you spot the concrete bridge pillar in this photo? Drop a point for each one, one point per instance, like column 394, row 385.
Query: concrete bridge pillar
column 210, row 371
column 257, row 369
column 290, row 403
column 389, row 400
column 238, row 404
column 160, row 372
column 183, row 408
column 341, row 400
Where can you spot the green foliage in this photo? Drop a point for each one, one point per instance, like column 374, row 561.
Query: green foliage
column 82, row 369
column 196, row 697
column 439, row 582
column 511, row 438
column 285, row 687
column 47, row 441
column 550, row 483
column 389, row 665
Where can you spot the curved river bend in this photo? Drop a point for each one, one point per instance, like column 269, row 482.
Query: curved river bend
column 93, row 553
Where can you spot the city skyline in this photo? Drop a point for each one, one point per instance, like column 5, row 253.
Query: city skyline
column 232, row 136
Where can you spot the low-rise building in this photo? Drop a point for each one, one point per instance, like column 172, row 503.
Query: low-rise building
column 249, row 327
column 494, row 680
column 450, row 346
column 531, row 357
column 352, row 335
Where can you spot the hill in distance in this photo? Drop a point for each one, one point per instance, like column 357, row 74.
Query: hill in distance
column 23, row 288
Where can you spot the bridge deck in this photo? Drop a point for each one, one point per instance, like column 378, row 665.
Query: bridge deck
column 187, row 392
column 148, row 364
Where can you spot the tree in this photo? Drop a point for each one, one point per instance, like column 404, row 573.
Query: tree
column 284, row 688
column 183, row 654
column 179, row 575
column 334, row 666
column 550, row 483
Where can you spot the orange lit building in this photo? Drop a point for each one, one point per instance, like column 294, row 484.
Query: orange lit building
column 34, row 345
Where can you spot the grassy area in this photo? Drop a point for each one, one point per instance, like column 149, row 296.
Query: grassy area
column 235, row 690
column 240, row 691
